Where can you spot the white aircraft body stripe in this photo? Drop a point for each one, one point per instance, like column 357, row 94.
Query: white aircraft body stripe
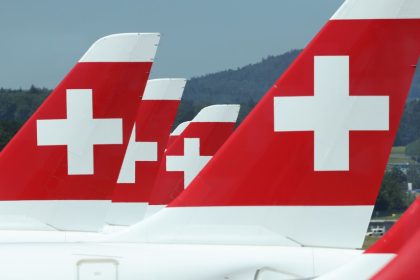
column 218, row 113
column 153, row 209
column 180, row 128
column 163, row 262
column 164, row 89
column 378, row 9
column 126, row 213
column 211, row 114
column 329, row 226
column 83, row 215
column 364, row 266
column 125, row 47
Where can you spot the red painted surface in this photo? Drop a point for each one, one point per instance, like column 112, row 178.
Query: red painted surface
column 169, row 185
column 258, row 166
column 153, row 124
column 405, row 265
column 31, row 172
column 399, row 235
column 402, row 239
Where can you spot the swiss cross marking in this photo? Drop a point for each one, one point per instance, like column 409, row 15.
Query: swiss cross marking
column 190, row 163
column 331, row 113
column 79, row 132
column 136, row 151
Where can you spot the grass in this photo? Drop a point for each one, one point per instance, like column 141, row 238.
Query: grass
column 395, row 216
column 398, row 156
column 369, row 241
column 398, row 150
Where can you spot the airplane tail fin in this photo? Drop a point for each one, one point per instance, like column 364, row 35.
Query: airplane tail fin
column 193, row 144
column 393, row 256
column 403, row 240
column 304, row 168
column 62, row 165
column 144, row 153
column 398, row 235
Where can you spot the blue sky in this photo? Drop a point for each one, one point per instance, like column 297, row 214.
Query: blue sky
column 41, row 40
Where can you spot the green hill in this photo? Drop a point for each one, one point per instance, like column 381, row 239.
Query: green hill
column 244, row 85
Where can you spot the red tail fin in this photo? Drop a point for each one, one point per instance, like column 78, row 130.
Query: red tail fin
column 66, row 158
column 396, row 238
column 311, row 155
column 155, row 118
column 402, row 239
column 206, row 133
column 394, row 256
column 404, row 266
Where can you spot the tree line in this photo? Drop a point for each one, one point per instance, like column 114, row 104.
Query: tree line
column 245, row 86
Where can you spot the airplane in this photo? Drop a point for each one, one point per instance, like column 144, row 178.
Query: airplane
column 393, row 256
column 60, row 169
column 154, row 117
column 212, row 124
column 190, row 147
column 290, row 194
column 404, row 265
column 148, row 140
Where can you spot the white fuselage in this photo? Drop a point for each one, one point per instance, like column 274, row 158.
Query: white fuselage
column 128, row 261
column 56, row 236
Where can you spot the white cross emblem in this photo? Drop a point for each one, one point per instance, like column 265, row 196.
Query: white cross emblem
column 331, row 113
column 190, row 163
column 79, row 132
column 136, row 151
